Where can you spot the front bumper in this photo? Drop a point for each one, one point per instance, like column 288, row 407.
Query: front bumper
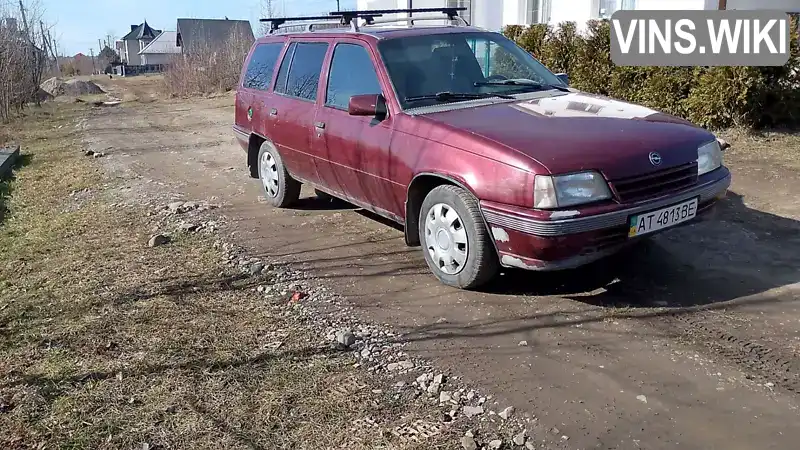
column 573, row 238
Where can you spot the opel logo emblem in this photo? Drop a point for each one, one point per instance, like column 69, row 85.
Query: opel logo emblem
column 655, row 159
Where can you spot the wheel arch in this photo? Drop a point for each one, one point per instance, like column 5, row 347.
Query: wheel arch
column 253, row 147
column 418, row 189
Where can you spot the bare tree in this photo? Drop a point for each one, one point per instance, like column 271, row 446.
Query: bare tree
column 111, row 38
column 267, row 11
column 24, row 42
column 208, row 66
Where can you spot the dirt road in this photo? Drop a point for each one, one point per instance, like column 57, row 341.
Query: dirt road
column 690, row 341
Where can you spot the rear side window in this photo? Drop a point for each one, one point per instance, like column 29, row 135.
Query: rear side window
column 352, row 73
column 262, row 66
column 302, row 77
column 283, row 73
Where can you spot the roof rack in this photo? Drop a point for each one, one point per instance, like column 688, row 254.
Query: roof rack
column 347, row 18
column 276, row 22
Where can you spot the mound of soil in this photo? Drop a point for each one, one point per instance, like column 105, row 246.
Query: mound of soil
column 58, row 87
column 43, row 95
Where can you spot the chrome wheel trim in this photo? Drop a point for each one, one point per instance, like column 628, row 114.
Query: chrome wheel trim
column 446, row 239
column 269, row 174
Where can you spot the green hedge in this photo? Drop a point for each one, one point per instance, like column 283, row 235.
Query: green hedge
column 713, row 97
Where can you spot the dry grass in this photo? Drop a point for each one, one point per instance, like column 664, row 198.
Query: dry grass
column 131, row 89
column 106, row 343
column 777, row 147
column 206, row 70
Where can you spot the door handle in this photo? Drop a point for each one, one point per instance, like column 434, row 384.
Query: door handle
column 320, row 125
column 273, row 112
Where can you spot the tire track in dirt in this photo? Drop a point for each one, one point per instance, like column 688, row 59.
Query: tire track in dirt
column 759, row 361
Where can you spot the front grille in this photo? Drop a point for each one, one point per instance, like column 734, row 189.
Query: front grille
column 655, row 184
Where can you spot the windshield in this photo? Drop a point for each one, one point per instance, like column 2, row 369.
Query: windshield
column 479, row 63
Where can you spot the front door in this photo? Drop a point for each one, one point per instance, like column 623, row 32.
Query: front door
column 355, row 148
column 294, row 105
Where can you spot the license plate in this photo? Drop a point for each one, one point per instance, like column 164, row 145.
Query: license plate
column 659, row 219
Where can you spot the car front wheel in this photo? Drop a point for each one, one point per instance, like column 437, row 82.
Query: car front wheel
column 454, row 238
column 280, row 189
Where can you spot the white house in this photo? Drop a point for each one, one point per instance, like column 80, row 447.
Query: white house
column 161, row 49
column 132, row 43
column 495, row 14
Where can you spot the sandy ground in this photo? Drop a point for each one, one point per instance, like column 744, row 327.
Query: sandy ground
column 690, row 341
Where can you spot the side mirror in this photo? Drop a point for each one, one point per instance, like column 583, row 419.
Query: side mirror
column 372, row 105
column 563, row 77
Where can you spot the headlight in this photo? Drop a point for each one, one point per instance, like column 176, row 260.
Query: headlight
column 709, row 157
column 568, row 190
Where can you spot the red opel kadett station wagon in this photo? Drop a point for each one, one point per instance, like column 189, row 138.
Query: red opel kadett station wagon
column 485, row 156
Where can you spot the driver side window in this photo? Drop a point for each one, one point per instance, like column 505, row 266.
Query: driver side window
column 352, row 73
column 497, row 63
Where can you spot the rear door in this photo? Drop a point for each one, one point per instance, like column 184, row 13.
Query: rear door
column 294, row 105
column 356, row 148
column 253, row 94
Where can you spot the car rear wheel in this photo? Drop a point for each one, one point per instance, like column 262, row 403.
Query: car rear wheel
column 280, row 189
column 454, row 238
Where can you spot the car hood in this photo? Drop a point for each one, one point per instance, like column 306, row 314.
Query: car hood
column 579, row 131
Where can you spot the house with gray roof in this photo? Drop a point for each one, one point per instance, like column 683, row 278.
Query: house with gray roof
column 161, row 49
column 132, row 43
column 195, row 35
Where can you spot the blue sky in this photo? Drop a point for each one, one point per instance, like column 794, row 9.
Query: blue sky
column 80, row 23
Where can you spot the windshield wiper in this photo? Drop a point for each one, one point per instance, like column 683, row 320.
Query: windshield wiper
column 448, row 96
column 522, row 82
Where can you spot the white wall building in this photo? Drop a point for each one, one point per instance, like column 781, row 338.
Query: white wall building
column 132, row 43
column 161, row 49
column 495, row 14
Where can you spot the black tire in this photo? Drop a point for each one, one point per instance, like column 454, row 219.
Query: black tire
column 481, row 263
column 287, row 189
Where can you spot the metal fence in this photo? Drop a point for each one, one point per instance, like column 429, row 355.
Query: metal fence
column 125, row 70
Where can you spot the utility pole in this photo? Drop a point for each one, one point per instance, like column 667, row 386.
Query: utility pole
column 94, row 68
column 47, row 42
column 100, row 46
